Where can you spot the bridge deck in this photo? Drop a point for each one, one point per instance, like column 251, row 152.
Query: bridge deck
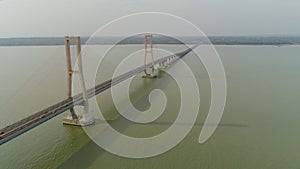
column 20, row 127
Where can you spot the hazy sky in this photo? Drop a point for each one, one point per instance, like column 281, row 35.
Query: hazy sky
column 23, row 18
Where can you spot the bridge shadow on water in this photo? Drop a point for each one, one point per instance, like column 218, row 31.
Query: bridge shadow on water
column 89, row 152
column 171, row 123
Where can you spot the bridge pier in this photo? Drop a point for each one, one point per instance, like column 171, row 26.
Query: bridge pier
column 73, row 118
column 165, row 64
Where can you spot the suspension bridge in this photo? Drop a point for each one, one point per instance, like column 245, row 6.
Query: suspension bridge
column 12, row 131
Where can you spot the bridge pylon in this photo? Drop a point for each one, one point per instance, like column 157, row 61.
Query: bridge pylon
column 73, row 118
column 148, row 42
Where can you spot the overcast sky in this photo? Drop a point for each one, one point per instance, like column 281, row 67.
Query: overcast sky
column 23, row 18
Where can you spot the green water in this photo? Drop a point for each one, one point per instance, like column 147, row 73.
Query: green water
column 259, row 128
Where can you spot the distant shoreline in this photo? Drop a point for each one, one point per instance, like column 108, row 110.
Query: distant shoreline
column 215, row 40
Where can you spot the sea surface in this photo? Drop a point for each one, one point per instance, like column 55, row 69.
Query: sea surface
column 259, row 128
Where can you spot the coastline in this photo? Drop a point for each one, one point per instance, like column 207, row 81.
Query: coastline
column 135, row 40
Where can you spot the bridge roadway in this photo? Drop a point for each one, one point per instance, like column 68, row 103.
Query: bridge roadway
column 20, row 127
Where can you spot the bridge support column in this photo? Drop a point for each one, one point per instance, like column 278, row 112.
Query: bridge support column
column 163, row 65
column 148, row 42
column 74, row 119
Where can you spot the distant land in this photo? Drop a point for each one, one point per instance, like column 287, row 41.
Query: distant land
column 217, row 40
